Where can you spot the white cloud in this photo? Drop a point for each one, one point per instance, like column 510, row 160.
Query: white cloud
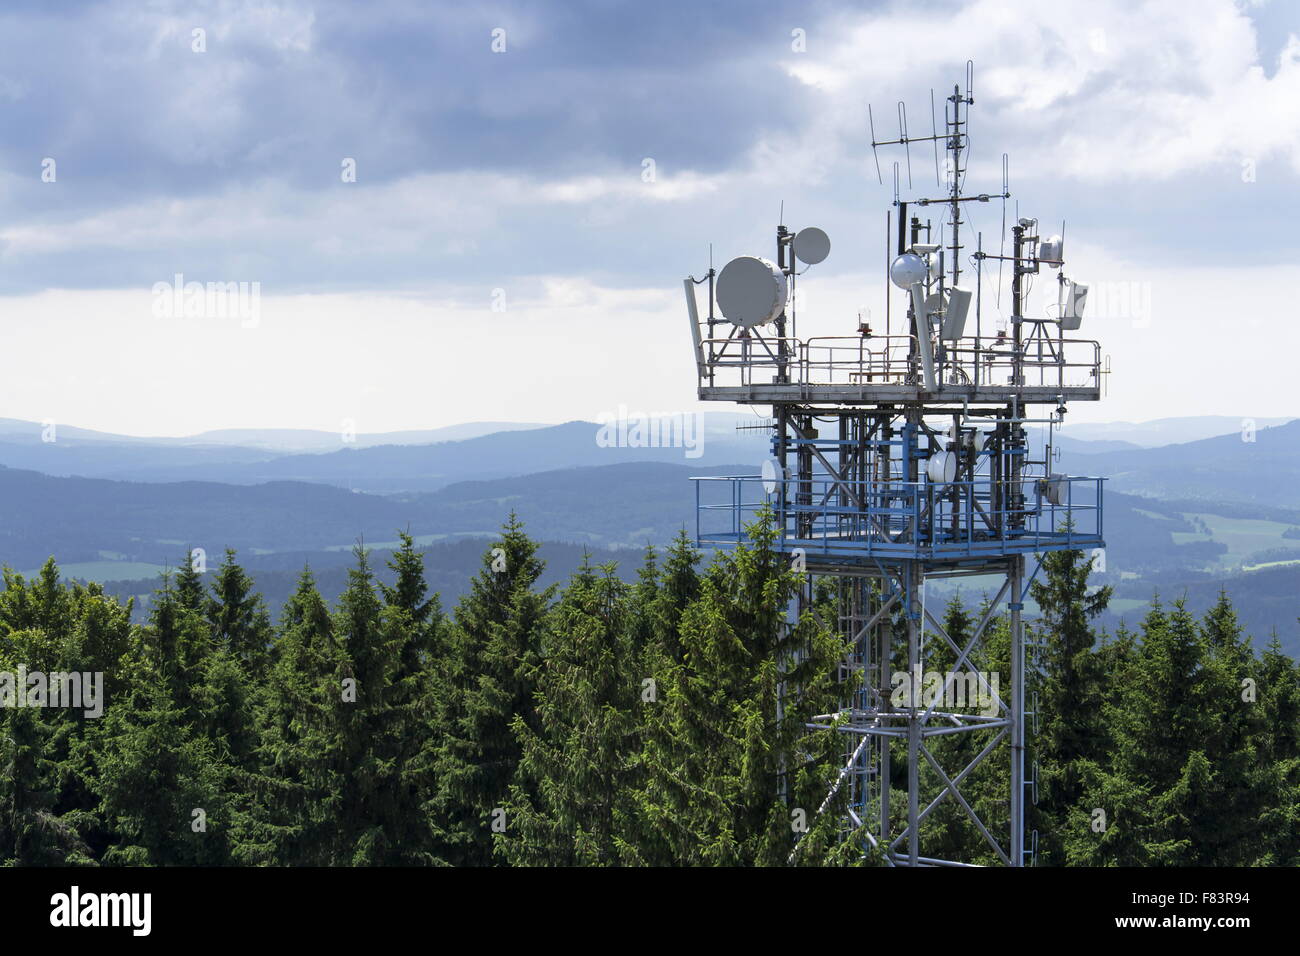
column 1103, row 89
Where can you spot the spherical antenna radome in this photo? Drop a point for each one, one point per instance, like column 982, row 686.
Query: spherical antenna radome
column 811, row 245
column 907, row 270
column 751, row 291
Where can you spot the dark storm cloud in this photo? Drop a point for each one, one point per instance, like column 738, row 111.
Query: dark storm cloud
column 116, row 94
column 132, row 115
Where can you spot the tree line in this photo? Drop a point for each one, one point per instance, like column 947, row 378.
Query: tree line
column 660, row 721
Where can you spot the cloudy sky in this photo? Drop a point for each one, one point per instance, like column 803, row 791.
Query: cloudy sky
column 502, row 253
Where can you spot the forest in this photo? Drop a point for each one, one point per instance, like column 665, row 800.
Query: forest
column 658, row 721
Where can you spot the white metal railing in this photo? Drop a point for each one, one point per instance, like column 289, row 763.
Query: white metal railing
column 889, row 360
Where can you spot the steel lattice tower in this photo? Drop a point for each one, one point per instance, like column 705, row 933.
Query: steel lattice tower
column 903, row 458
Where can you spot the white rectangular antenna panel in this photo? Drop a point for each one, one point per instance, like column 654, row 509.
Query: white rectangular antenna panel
column 1074, row 296
column 954, row 316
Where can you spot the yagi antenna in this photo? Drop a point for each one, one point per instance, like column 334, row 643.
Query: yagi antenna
column 1002, row 244
column 895, row 182
column 874, row 155
column 934, row 135
column 902, row 138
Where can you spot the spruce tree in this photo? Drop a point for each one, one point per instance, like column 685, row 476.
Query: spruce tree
column 1278, row 755
column 731, row 773
column 298, row 789
column 570, row 804
column 370, row 644
column 1066, row 694
column 487, row 679
column 238, row 617
column 415, row 693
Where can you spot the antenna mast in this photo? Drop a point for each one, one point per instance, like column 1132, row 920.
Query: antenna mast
column 901, row 459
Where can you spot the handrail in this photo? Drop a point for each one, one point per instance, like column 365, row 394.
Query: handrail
column 890, row 359
column 917, row 518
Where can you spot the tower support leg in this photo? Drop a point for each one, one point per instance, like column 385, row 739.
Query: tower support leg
column 913, row 718
column 1017, row 713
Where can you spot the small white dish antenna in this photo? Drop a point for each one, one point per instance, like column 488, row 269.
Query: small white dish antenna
column 773, row 475
column 751, row 291
column 907, row 270
column 811, row 246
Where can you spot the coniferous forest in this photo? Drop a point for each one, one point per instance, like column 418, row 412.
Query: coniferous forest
column 659, row 721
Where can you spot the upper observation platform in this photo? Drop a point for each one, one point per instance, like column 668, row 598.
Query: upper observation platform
column 951, row 334
column 887, row 370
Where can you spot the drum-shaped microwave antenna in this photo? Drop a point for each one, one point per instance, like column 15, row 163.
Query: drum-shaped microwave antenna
column 751, row 291
column 1049, row 251
column 942, row 467
column 811, row 245
column 1056, row 489
column 907, row 269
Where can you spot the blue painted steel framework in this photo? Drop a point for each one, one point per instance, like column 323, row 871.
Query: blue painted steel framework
column 859, row 506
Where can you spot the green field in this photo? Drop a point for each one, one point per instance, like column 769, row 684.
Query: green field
column 1268, row 564
column 106, row 571
column 1243, row 536
column 1131, row 609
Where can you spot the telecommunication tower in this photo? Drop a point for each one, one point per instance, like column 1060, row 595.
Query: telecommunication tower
column 907, row 457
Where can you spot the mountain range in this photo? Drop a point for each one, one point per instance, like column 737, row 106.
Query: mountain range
column 1181, row 517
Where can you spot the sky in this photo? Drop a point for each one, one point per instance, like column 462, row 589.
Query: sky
column 423, row 214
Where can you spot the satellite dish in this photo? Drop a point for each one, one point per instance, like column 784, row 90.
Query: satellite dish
column 811, row 245
column 773, row 474
column 907, row 270
column 751, row 291
column 942, row 467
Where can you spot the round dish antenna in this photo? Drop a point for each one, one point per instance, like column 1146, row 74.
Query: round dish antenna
column 811, row 245
column 751, row 291
column 773, row 474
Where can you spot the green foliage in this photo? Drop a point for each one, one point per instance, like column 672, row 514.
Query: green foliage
column 570, row 802
column 659, row 722
column 727, row 771
column 486, row 681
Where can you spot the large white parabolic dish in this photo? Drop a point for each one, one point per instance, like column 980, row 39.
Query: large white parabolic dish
column 751, row 291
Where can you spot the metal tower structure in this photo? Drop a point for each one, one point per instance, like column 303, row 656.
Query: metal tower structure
column 903, row 458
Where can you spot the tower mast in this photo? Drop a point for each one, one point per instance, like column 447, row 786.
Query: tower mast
column 899, row 461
